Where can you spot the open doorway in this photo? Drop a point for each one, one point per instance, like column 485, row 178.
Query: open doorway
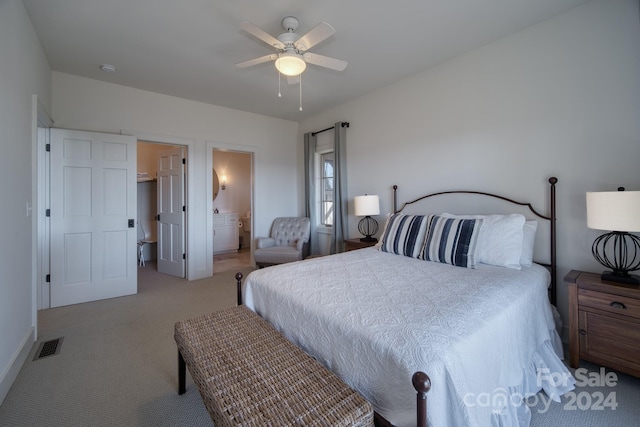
column 161, row 225
column 231, row 195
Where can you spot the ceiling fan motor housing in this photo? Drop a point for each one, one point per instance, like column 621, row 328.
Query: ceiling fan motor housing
column 290, row 23
column 288, row 39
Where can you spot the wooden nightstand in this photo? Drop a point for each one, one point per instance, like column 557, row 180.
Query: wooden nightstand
column 604, row 322
column 352, row 244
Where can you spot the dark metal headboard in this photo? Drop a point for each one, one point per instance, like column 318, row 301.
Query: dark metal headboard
column 551, row 218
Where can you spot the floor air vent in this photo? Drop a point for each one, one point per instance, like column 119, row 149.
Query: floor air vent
column 48, row 348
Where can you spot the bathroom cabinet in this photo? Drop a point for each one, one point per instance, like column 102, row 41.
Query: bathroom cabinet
column 225, row 232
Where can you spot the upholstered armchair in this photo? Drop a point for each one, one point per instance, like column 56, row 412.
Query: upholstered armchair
column 289, row 241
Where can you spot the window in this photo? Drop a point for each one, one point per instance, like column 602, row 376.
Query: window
column 326, row 189
column 324, row 182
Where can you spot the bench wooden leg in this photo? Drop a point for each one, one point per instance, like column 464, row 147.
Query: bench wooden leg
column 182, row 367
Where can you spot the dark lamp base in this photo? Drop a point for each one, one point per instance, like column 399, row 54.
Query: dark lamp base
column 619, row 251
column 368, row 227
column 628, row 279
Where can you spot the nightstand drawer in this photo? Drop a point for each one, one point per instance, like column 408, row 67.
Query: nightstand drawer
column 608, row 302
column 626, row 332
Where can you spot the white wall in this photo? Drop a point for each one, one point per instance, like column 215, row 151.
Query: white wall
column 80, row 103
column 561, row 98
column 24, row 71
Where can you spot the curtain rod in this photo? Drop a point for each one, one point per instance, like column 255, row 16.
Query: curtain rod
column 343, row 124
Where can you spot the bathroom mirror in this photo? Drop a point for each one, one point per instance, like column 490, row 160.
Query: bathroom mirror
column 216, row 184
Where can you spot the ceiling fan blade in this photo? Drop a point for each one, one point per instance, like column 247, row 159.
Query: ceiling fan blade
column 325, row 61
column 293, row 80
column 256, row 61
column 320, row 32
column 259, row 33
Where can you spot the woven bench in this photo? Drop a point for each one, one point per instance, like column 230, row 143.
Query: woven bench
column 248, row 374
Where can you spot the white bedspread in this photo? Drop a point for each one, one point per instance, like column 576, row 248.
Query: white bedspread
column 375, row 318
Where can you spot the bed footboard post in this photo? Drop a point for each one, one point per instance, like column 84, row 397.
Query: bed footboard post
column 239, row 287
column 422, row 384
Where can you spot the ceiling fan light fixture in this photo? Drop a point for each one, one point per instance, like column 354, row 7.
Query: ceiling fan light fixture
column 290, row 64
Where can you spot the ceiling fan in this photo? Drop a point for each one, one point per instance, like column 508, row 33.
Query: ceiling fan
column 293, row 55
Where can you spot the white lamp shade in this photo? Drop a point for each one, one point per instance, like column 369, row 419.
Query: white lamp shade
column 290, row 64
column 366, row 205
column 614, row 210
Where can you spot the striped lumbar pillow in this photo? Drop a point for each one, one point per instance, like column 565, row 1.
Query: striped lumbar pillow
column 404, row 235
column 451, row 241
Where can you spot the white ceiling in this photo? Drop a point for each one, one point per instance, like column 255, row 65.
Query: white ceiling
column 188, row 48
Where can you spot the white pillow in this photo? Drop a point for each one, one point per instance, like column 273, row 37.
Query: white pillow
column 528, row 242
column 500, row 240
column 384, row 230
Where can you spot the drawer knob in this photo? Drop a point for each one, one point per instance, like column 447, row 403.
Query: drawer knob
column 619, row 305
column 583, row 332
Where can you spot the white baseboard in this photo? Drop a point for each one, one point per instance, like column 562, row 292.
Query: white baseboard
column 11, row 370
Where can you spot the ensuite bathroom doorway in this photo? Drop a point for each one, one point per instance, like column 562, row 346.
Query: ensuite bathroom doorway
column 232, row 187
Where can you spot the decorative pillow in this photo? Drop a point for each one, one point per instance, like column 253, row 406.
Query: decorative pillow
column 384, row 230
column 452, row 241
column 528, row 242
column 500, row 241
column 404, row 235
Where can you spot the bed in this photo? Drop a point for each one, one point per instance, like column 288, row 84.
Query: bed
column 484, row 334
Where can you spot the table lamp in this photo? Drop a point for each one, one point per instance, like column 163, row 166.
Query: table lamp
column 618, row 250
column 366, row 206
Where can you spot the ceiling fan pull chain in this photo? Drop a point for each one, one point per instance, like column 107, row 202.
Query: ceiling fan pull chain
column 279, row 94
column 300, row 77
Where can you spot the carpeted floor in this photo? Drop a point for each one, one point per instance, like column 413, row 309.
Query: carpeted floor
column 118, row 365
column 118, row 362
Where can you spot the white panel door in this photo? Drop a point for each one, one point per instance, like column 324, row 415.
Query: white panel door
column 93, row 199
column 171, row 212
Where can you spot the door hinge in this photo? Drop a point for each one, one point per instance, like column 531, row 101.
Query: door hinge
column 47, row 212
column 184, row 161
column 48, row 278
column 47, row 147
column 158, row 217
column 184, row 208
column 184, row 256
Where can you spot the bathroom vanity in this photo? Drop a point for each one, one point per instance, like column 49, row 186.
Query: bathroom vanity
column 225, row 232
